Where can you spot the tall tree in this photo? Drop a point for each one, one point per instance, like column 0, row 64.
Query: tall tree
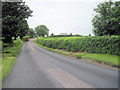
column 9, row 28
column 13, row 13
column 42, row 30
column 24, row 28
column 107, row 19
column 31, row 32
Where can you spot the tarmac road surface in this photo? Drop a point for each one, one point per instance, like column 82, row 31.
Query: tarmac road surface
column 36, row 67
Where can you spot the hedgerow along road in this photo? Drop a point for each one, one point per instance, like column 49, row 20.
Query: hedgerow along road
column 36, row 67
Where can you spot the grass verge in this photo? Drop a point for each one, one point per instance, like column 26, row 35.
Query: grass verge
column 109, row 60
column 9, row 55
column 7, row 63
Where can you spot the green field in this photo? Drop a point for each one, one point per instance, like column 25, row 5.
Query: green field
column 52, row 38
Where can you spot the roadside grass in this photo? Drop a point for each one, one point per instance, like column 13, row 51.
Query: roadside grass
column 109, row 60
column 9, row 54
column 0, row 63
column 0, row 71
column 7, row 63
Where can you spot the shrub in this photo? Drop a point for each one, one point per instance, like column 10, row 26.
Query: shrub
column 13, row 51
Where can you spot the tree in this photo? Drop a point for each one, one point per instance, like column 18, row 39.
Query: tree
column 89, row 34
column 31, row 32
column 13, row 18
column 9, row 28
column 52, row 34
column 24, row 28
column 107, row 19
column 42, row 30
column 70, row 34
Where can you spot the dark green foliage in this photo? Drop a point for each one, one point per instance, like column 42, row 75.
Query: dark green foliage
column 23, row 28
column 97, row 44
column 42, row 30
column 12, row 50
column 31, row 33
column 89, row 34
column 13, row 18
column 17, row 9
column 52, row 34
column 9, row 28
column 107, row 19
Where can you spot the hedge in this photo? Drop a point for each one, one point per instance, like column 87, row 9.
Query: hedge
column 97, row 44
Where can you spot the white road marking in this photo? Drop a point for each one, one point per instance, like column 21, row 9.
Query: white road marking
column 67, row 80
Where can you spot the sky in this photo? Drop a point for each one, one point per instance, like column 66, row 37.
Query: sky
column 63, row 16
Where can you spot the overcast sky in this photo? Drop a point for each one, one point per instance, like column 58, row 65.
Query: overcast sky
column 63, row 16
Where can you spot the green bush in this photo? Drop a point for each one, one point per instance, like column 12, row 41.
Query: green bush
column 96, row 44
column 12, row 51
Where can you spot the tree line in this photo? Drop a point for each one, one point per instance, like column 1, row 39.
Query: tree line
column 14, row 22
column 15, row 14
